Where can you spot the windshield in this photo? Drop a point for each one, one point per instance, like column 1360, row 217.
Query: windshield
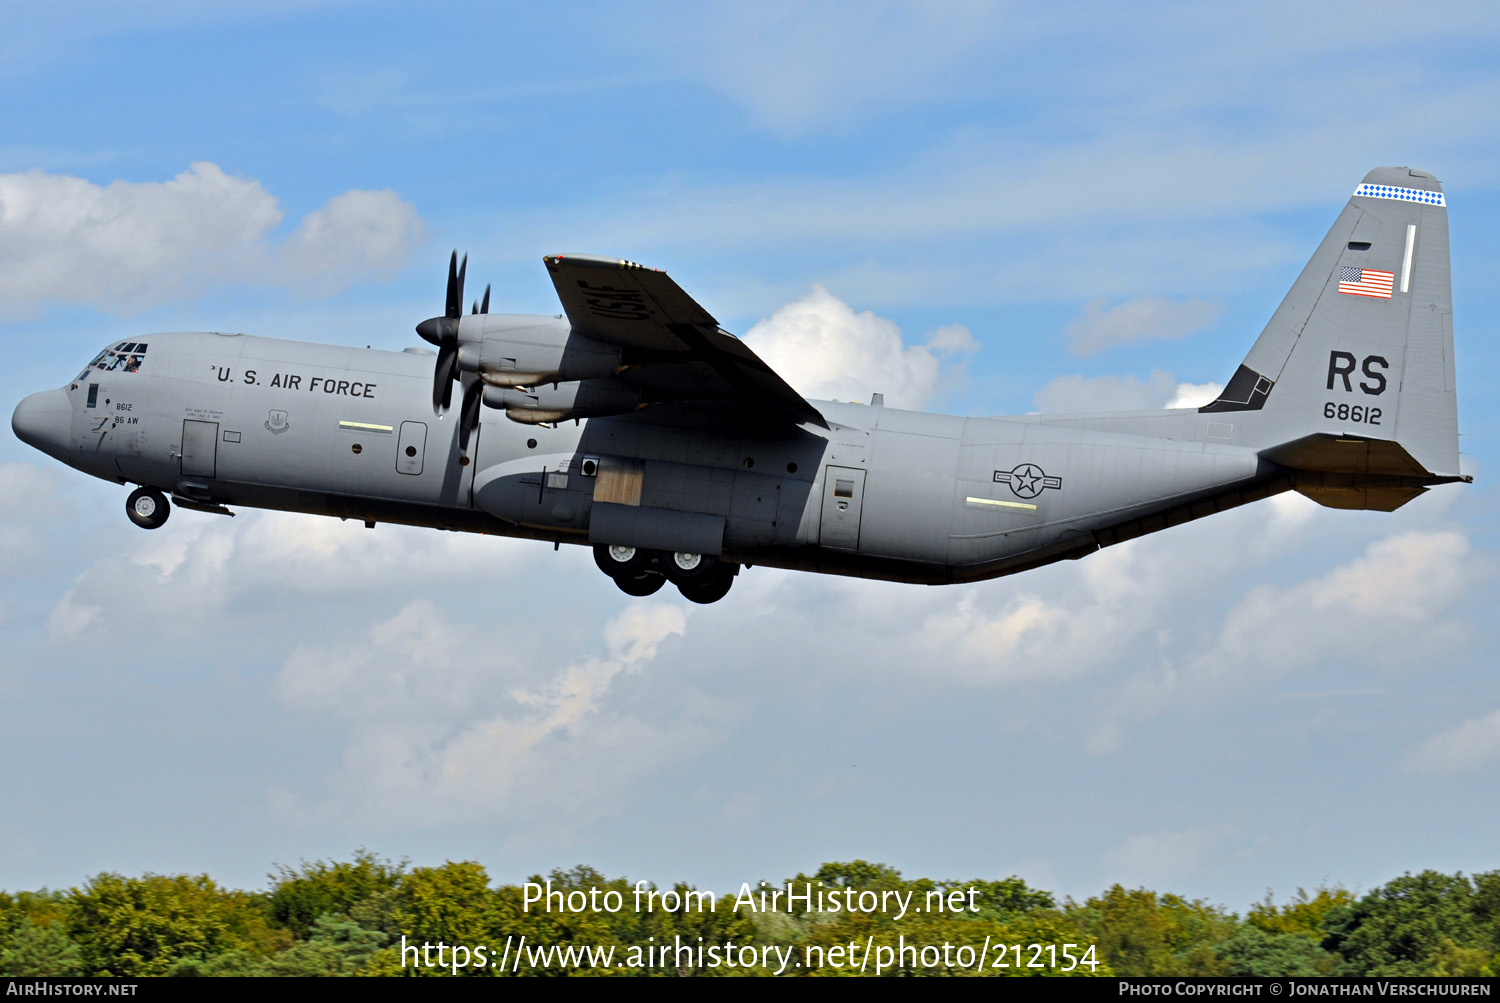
column 125, row 357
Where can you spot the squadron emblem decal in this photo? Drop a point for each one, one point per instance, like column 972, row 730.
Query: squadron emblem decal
column 1028, row 480
column 276, row 422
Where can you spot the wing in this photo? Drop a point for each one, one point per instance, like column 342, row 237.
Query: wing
column 673, row 348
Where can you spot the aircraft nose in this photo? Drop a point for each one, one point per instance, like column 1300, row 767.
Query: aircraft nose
column 45, row 420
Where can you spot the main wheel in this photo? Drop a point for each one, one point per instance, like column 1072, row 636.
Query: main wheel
column 645, row 584
column 714, row 588
column 689, row 569
column 147, row 508
column 616, row 561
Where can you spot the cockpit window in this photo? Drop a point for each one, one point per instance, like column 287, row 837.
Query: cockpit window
column 126, row 357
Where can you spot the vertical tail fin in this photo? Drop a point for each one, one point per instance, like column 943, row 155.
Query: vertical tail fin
column 1361, row 349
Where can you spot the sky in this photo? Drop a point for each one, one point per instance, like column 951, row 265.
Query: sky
column 977, row 208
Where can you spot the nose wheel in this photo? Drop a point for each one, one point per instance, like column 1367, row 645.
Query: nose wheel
column 147, row 508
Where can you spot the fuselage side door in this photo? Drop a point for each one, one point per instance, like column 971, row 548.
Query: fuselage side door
column 843, row 493
column 200, row 445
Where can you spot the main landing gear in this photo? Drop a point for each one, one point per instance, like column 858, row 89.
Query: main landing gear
column 147, row 507
column 699, row 577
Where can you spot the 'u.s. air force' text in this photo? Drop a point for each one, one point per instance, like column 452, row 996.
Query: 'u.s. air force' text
column 294, row 381
column 808, row 897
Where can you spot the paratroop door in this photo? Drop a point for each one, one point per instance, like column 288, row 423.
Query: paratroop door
column 843, row 490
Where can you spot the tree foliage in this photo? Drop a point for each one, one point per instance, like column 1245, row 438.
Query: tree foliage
column 1142, row 933
column 145, row 926
column 1302, row 915
column 300, row 895
column 1424, row 924
column 36, row 949
column 369, row 916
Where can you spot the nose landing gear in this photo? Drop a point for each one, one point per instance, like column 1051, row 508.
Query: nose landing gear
column 147, row 508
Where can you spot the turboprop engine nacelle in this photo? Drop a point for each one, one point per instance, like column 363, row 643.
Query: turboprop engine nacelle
column 527, row 351
column 562, row 401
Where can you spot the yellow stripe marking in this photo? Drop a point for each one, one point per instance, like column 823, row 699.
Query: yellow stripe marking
column 366, row 426
column 982, row 502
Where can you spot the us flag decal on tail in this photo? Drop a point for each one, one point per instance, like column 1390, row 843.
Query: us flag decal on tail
column 1366, row 282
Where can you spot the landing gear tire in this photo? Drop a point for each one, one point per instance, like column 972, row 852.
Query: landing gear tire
column 689, row 569
column 617, row 562
column 147, row 508
column 645, row 584
column 711, row 590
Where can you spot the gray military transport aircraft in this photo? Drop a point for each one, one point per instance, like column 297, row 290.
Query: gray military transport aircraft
column 635, row 424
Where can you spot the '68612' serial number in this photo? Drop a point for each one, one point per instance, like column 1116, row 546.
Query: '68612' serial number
column 1352, row 412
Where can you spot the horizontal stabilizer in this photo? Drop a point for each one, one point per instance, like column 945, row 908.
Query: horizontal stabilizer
column 1354, row 473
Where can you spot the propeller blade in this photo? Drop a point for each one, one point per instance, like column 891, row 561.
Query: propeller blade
column 455, row 289
column 485, row 306
column 468, row 417
column 458, row 300
column 443, row 331
column 442, row 377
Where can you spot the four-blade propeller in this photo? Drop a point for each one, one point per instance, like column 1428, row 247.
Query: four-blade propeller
column 443, row 332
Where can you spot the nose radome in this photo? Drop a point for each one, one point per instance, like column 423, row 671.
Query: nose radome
column 44, row 420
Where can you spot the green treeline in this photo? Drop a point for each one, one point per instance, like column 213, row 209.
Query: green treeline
column 354, row 918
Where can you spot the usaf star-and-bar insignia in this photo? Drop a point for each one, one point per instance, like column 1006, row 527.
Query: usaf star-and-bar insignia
column 1028, row 480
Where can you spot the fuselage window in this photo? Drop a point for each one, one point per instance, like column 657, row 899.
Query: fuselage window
column 98, row 362
column 93, row 395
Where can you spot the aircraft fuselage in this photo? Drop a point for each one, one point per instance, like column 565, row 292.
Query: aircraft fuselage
column 221, row 420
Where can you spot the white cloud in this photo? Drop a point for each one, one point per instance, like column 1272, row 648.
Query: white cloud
column 826, row 351
column 1032, row 634
column 1366, row 607
column 1103, row 327
column 1470, row 745
column 186, row 576
column 1173, row 619
column 127, row 245
column 1385, row 609
column 1121, row 393
column 451, row 721
column 1079, row 619
column 357, row 235
column 71, row 617
column 27, row 498
column 1290, row 511
column 1195, row 394
column 1070, row 620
